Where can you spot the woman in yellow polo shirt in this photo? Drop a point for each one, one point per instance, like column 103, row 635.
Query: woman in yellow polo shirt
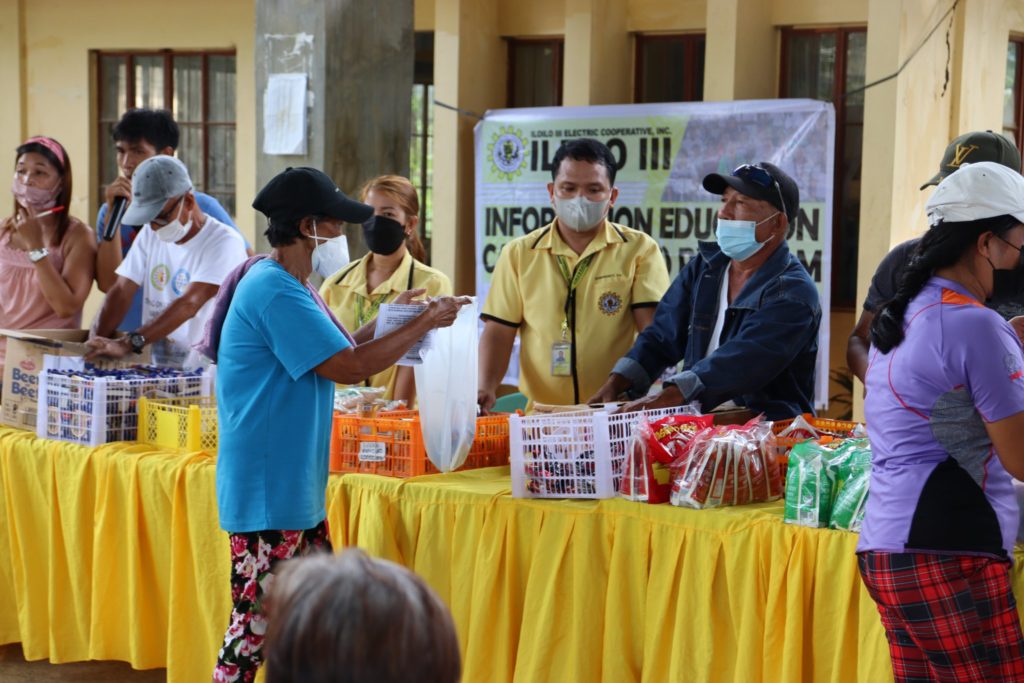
column 394, row 264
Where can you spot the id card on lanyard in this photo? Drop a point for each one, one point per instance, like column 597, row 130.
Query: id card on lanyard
column 561, row 351
column 367, row 313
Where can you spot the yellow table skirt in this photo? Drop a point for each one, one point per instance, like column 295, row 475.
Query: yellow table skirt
column 115, row 553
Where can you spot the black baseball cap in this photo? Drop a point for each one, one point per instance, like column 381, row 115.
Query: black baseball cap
column 297, row 192
column 970, row 148
column 762, row 181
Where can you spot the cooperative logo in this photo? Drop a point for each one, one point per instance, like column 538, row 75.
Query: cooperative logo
column 610, row 303
column 508, row 152
column 159, row 275
column 180, row 281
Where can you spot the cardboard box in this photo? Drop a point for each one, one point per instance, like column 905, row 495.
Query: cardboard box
column 25, row 351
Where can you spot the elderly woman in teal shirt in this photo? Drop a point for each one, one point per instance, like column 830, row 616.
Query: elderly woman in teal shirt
column 280, row 354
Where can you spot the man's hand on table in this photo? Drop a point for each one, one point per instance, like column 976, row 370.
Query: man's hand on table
column 102, row 347
column 668, row 397
column 610, row 390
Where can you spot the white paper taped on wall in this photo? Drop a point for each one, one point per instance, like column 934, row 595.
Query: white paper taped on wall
column 284, row 114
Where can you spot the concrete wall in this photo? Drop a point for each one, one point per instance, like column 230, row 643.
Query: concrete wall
column 359, row 59
column 469, row 73
column 58, row 78
column 49, row 79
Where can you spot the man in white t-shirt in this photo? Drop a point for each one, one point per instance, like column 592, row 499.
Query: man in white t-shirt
column 179, row 259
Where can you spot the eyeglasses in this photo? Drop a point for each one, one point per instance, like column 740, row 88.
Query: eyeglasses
column 165, row 218
column 759, row 175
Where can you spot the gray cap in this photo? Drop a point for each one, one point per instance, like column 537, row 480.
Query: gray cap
column 156, row 180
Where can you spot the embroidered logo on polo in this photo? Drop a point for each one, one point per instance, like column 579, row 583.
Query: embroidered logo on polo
column 159, row 276
column 180, row 281
column 610, row 303
column 1012, row 363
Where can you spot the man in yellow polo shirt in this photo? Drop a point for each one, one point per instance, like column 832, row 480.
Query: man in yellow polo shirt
column 576, row 291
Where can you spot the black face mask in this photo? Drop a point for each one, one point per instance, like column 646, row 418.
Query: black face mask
column 1008, row 283
column 383, row 235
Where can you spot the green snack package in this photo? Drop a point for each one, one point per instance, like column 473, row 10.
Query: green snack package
column 852, row 471
column 809, row 483
column 851, row 456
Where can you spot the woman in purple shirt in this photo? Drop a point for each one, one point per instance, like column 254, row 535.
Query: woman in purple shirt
column 945, row 415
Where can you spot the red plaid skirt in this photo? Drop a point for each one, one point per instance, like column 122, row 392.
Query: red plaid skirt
column 946, row 617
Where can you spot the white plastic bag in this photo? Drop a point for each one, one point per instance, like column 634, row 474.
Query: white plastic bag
column 446, row 390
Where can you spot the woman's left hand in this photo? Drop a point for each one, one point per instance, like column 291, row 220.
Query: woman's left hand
column 408, row 296
column 29, row 230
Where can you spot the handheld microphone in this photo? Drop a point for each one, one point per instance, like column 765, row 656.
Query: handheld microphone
column 117, row 210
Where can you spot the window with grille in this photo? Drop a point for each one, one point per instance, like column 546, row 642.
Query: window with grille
column 421, row 141
column 535, row 72
column 828, row 64
column 669, row 68
column 199, row 90
column 1013, row 104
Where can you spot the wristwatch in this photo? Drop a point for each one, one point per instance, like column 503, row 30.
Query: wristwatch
column 137, row 341
column 37, row 255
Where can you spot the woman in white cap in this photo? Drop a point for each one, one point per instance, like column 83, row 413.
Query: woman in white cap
column 280, row 352
column 945, row 415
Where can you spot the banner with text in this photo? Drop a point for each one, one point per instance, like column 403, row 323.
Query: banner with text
column 663, row 151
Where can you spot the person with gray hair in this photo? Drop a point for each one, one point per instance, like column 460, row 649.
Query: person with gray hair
column 357, row 619
column 179, row 261
column 279, row 352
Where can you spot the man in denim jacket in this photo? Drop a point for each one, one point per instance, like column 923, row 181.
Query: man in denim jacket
column 743, row 315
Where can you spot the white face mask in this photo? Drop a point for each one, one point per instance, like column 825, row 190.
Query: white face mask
column 175, row 230
column 330, row 255
column 579, row 213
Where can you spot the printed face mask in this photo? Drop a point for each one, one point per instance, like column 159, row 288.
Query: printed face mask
column 738, row 240
column 175, row 230
column 383, row 235
column 579, row 213
column 330, row 254
column 35, row 198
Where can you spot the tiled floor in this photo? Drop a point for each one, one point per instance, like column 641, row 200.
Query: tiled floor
column 14, row 669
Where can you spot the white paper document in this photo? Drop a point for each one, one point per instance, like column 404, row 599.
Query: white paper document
column 284, row 114
column 393, row 316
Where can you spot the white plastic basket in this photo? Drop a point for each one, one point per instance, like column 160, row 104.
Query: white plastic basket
column 97, row 410
column 571, row 455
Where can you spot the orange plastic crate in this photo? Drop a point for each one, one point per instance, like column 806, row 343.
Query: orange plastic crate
column 391, row 444
column 784, row 444
column 820, row 423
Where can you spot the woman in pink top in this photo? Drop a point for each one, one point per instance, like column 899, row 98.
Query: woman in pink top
column 46, row 256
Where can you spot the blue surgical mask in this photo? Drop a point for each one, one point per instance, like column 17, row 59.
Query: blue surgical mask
column 738, row 239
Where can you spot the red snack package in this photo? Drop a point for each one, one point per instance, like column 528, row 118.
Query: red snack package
column 774, row 485
column 695, row 471
column 637, row 475
column 728, row 465
column 654, row 447
column 671, row 436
